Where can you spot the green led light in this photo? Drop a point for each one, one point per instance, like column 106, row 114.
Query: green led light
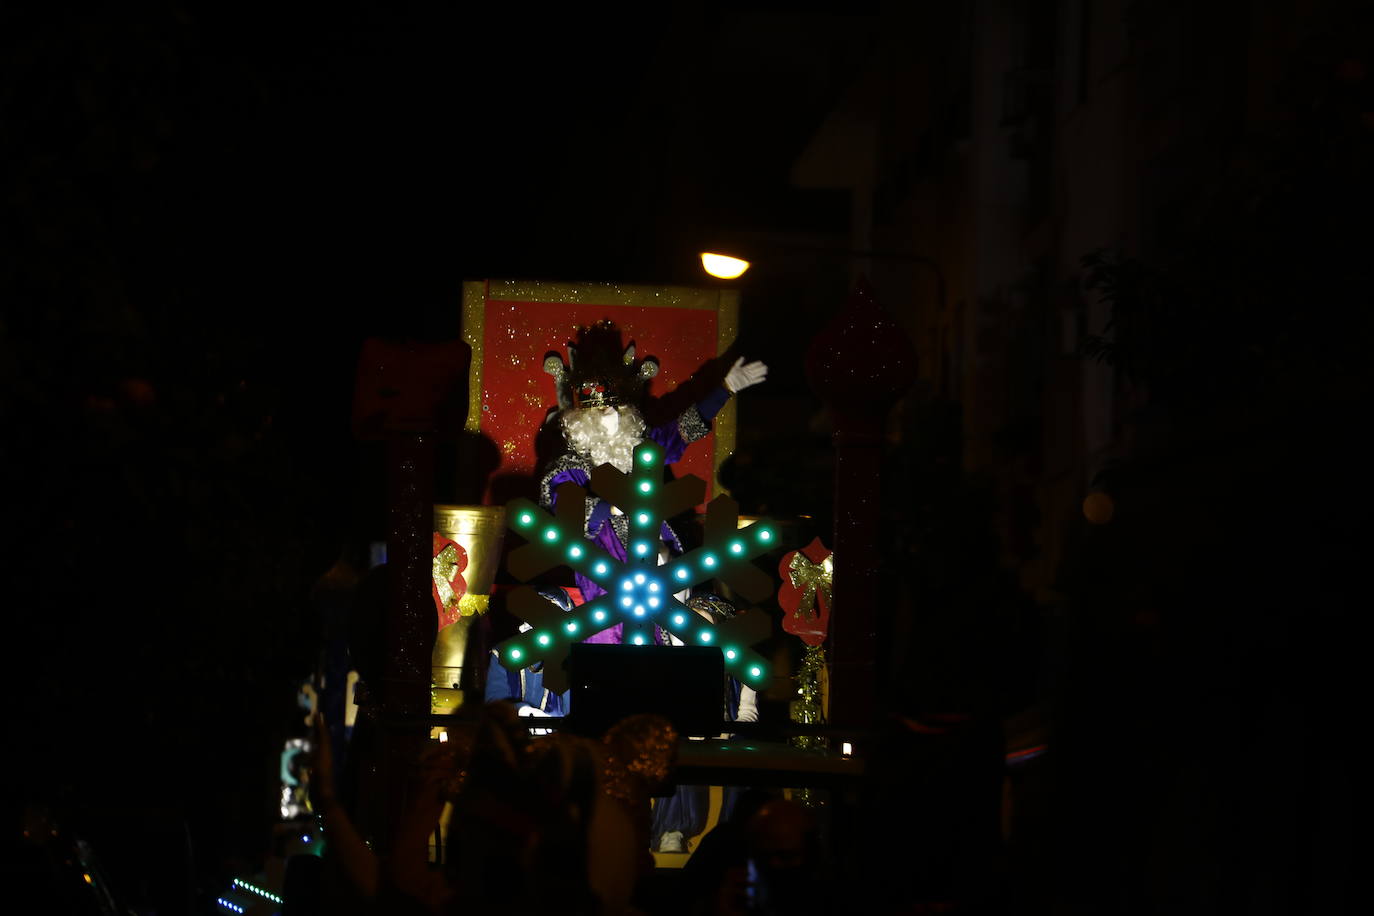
column 730, row 653
column 708, row 560
column 679, row 620
column 647, row 456
column 526, row 519
column 574, row 551
column 600, row 568
column 513, row 654
column 599, row 615
column 543, row 639
column 571, row 626
column 705, row 636
column 737, row 547
column 641, row 548
column 645, row 486
column 642, row 518
column 765, row 535
column 755, row 671
column 551, row 534
column 639, row 640
column 682, row 573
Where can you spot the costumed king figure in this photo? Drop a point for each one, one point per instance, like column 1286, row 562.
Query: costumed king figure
column 600, row 391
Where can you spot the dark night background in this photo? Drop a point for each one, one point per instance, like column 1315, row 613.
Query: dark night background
column 209, row 208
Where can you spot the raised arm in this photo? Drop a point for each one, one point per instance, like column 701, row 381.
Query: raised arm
column 358, row 861
column 695, row 421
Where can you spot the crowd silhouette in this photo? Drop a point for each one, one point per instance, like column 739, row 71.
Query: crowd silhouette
column 554, row 822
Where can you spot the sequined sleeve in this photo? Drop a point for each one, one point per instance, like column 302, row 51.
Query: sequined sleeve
column 692, row 426
column 695, row 421
column 570, row 468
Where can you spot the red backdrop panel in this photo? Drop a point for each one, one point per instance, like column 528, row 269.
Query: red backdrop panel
column 517, row 393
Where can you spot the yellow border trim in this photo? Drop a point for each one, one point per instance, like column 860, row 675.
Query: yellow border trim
column 474, row 318
column 680, row 297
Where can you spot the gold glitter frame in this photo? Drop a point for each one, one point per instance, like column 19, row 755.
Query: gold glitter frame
column 724, row 302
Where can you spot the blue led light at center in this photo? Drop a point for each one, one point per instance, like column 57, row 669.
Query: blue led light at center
column 639, row 594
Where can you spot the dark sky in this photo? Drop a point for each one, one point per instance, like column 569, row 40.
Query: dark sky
column 288, row 179
column 215, row 205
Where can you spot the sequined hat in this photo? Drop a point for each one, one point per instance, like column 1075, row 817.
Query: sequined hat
column 600, row 372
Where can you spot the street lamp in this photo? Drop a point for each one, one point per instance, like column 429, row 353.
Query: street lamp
column 723, row 266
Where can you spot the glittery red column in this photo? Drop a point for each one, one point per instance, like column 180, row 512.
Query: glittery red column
column 407, row 393
column 410, row 624
column 410, row 614
column 859, row 364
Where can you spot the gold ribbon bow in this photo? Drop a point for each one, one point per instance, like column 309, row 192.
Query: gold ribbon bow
column 811, row 578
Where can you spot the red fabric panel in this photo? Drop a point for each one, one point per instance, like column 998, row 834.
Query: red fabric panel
column 517, row 393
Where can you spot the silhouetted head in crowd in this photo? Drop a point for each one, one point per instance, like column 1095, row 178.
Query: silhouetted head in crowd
column 781, row 835
column 790, row 874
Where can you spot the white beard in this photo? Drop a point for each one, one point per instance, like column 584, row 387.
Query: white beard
column 587, row 435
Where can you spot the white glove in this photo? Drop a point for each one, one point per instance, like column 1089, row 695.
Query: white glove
column 742, row 375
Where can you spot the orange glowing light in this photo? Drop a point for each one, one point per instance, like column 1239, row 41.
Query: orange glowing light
column 1098, row 508
column 723, row 265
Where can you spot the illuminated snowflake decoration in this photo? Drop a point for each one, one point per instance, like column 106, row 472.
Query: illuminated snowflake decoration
column 638, row 590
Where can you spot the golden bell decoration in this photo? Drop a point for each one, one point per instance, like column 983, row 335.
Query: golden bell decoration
column 480, row 531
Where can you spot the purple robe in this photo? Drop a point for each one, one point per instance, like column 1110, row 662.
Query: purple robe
column 609, row 531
